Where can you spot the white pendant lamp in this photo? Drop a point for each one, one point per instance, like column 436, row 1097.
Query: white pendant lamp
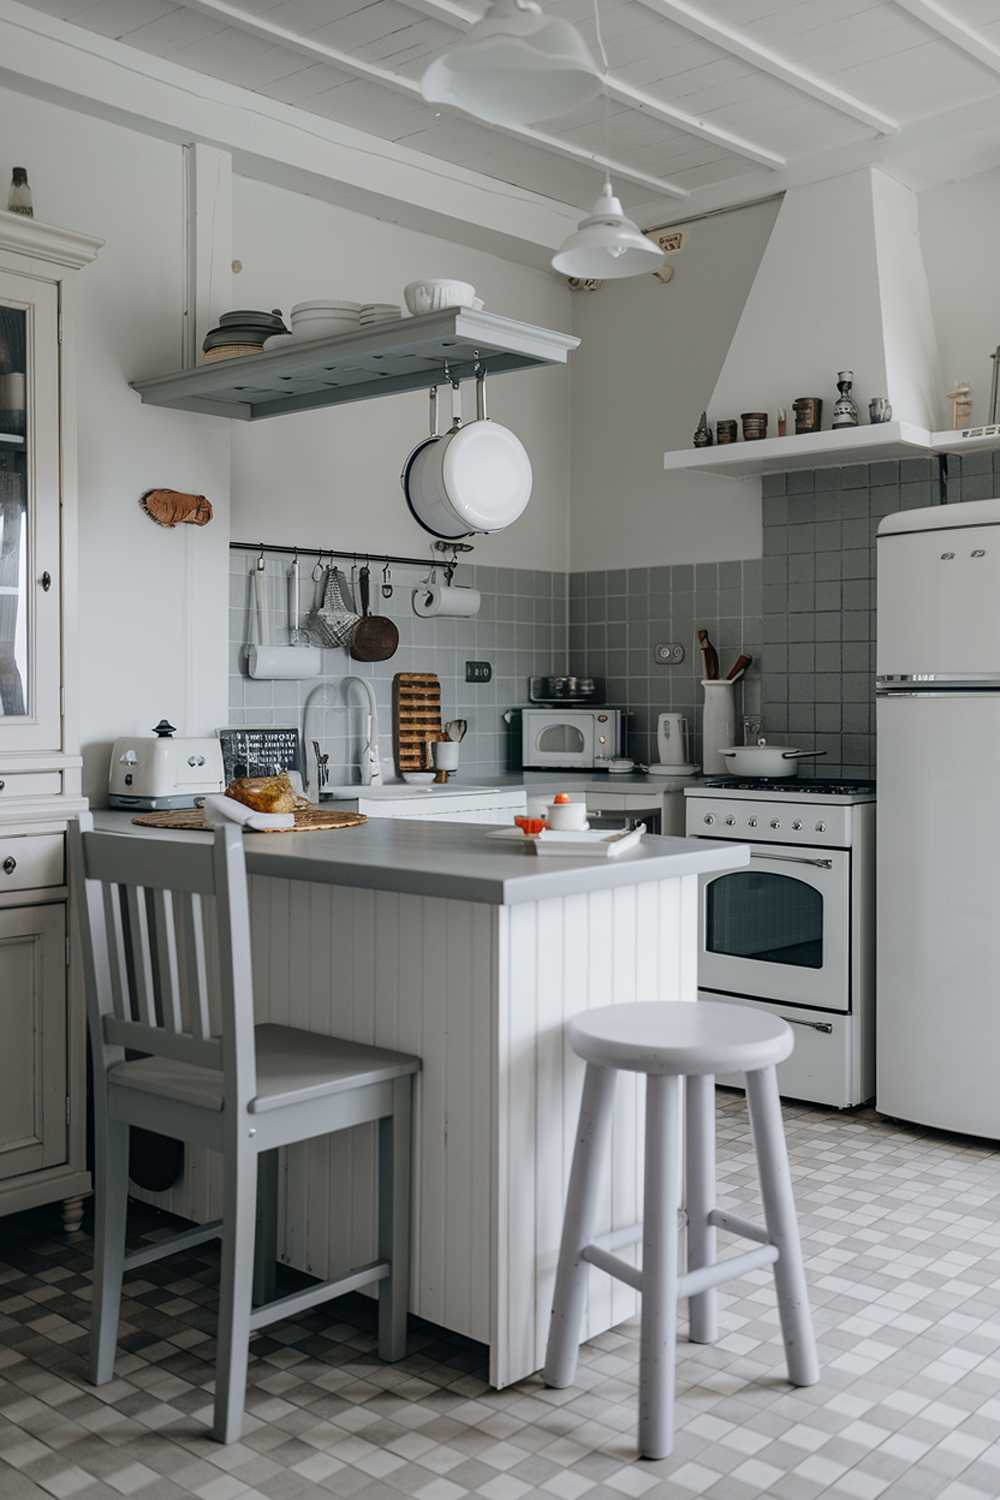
column 606, row 245
column 514, row 67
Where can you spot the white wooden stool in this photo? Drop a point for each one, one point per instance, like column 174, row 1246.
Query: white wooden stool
column 671, row 1043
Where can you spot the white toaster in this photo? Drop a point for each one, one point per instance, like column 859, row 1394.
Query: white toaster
column 153, row 772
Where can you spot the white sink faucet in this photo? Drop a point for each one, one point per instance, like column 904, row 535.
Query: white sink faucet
column 371, row 763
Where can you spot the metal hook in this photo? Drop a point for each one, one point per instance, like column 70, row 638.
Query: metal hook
column 386, row 584
column 261, row 562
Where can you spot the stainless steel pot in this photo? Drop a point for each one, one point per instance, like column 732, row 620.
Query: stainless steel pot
column 776, row 761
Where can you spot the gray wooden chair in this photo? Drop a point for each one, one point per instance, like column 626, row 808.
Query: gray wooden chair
column 147, row 909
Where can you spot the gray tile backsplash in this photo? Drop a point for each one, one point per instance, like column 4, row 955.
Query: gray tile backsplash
column 521, row 629
column 618, row 616
column 805, row 611
column 819, row 593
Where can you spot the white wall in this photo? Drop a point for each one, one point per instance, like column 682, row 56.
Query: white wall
column 153, row 602
column 960, row 234
column 332, row 477
column 650, row 357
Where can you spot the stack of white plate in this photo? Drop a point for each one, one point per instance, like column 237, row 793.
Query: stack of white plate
column 325, row 319
column 380, row 312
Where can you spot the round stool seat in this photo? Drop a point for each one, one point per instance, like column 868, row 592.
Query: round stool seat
column 683, row 1039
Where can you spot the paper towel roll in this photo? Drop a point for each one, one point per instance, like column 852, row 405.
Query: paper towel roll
column 287, row 663
column 444, row 599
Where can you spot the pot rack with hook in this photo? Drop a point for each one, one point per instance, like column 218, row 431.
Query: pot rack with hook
column 387, row 560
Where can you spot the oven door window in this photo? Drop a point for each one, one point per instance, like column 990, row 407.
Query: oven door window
column 780, row 929
column 774, row 919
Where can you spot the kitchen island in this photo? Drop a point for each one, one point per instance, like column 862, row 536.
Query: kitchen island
column 429, row 938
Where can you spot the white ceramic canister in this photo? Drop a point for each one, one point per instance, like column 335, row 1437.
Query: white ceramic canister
column 719, row 727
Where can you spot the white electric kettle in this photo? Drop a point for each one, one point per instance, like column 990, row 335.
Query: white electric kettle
column 672, row 747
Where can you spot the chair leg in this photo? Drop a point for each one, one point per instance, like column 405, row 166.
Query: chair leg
column 395, row 1149
column 703, row 1309
column 265, row 1278
column 593, row 1129
column 782, row 1226
column 660, row 1256
column 235, row 1291
column 110, row 1211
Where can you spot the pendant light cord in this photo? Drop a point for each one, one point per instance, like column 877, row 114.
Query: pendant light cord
column 600, row 39
column 606, row 68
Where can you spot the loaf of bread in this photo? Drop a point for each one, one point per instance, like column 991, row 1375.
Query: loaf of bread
column 264, row 793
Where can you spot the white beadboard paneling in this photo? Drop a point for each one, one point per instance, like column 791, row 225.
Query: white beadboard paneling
column 482, row 995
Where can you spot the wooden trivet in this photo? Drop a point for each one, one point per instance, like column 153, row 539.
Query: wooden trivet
column 416, row 713
column 307, row 820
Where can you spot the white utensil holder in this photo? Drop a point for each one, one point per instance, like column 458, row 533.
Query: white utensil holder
column 719, row 726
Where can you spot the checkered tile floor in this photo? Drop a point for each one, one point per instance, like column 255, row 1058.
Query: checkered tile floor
column 902, row 1233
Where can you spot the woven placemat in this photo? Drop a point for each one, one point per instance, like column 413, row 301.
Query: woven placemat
column 307, row 820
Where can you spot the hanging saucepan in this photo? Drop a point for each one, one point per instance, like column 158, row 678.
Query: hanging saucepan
column 475, row 478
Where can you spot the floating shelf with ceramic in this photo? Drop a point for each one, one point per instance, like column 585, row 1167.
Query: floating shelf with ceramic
column 812, row 450
column 821, row 450
column 406, row 355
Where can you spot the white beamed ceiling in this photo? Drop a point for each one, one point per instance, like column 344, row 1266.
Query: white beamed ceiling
column 770, row 91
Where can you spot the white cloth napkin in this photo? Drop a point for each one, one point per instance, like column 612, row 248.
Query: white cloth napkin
column 227, row 810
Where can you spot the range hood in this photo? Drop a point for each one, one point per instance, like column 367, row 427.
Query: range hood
column 841, row 285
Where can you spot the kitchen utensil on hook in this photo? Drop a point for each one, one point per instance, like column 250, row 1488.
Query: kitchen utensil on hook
column 387, row 589
column 374, row 637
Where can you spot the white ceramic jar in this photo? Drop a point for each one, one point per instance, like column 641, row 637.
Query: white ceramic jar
column 719, row 726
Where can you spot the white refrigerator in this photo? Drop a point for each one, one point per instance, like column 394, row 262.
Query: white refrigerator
column 938, row 720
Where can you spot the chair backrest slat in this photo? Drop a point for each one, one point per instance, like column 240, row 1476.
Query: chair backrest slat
column 117, row 962
column 166, row 944
column 197, row 968
column 142, row 960
column 168, row 970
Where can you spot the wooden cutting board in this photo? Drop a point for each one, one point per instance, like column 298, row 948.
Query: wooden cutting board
column 416, row 719
column 307, row 820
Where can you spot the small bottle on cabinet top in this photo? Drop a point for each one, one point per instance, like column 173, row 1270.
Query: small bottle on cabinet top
column 19, row 197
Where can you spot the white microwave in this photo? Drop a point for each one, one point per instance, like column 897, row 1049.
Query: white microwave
column 568, row 737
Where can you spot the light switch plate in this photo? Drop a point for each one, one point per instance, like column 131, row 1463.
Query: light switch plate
column 668, row 653
column 478, row 671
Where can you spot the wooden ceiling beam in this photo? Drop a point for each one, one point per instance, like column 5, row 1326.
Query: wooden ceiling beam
column 739, row 44
column 955, row 31
column 317, row 51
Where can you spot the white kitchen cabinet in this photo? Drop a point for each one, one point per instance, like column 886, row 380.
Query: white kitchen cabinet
column 43, row 1059
column 33, row 1021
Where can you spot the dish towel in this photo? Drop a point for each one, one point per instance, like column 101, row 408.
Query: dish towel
column 227, row 810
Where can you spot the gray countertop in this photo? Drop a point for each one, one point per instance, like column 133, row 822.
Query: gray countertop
column 453, row 860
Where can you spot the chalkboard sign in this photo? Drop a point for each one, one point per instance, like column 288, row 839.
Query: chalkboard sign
column 259, row 752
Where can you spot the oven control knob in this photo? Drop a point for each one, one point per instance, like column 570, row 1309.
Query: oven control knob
column 709, row 818
column 751, row 822
column 820, row 827
column 797, row 824
column 775, row 822
column 730, row 821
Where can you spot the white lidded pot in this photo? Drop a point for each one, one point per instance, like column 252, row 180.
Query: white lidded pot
column 472, row 478
column 777, row 761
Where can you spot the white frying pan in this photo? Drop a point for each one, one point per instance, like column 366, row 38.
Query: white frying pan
column 473, row 478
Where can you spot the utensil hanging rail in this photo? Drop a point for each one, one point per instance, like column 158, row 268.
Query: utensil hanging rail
column 360, row 554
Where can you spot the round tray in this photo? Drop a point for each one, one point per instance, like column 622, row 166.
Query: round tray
column 307, row 820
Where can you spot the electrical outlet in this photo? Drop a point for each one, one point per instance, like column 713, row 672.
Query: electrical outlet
column 668, row 653
column 478, row 671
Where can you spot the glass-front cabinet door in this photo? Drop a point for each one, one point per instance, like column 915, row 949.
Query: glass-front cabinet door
column 29, row 515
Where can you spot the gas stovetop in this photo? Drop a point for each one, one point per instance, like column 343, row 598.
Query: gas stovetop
column 778, row 785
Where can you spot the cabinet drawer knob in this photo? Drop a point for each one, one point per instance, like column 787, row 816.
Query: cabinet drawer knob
column 9, row 865
column 46, row 581
column 2, row 784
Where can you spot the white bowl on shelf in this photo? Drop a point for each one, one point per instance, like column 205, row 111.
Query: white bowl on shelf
column 418, row 778
column 437, row 294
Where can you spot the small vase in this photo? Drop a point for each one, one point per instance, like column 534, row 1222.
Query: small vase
column 703, row 433
column 845, row 408
column 718, row 730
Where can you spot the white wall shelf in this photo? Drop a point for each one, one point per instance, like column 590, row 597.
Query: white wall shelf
column 406, row 355
column 11, row 440
column 820, row 450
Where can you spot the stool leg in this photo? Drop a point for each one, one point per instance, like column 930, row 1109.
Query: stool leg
column 394, row 1155
column 239, row 1216
column 592, row 1133
column 703, row 1310
column 660, row 1255
column 782, row 1226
